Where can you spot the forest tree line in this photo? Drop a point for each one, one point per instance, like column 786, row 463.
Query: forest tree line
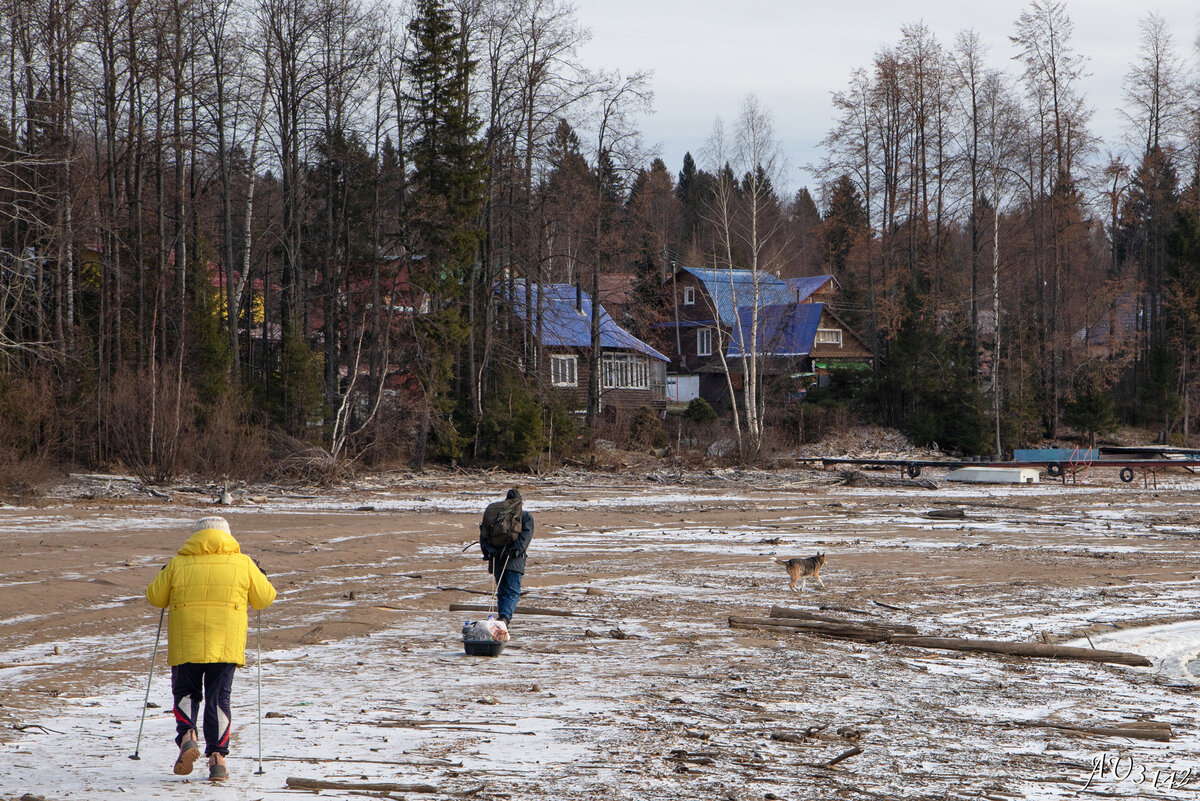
column 247, row 232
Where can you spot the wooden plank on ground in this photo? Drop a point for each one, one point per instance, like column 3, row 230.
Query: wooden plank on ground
column 1022, row 649
column 521, row 610
column 1140, row 730
column 298, row 783
column 801, row 614
column 873, row 632
column 849, row 631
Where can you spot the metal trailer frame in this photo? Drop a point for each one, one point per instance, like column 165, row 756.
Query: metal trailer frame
column 1129, row 469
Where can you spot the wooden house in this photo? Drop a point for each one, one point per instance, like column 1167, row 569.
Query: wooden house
column 710, row 311
column 633, row 373
column 801, row 340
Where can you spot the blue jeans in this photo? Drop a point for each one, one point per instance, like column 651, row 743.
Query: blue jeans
column 508, row 590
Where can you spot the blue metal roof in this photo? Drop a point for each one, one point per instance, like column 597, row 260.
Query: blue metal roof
column 784, row 329
column 801, row 288
column 731, row 289
column 565, row 326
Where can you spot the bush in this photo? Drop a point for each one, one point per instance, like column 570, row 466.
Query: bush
column 141, row 425
column 646, row 429
column 229, row 441
column 699, row 412
column 806, row 422
column 1092, row 412
column 561, row 430
column 31, row 431
column 299, row 402
column 511, row 431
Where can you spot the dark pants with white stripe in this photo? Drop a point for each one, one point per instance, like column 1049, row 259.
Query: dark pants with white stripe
column 210, row 683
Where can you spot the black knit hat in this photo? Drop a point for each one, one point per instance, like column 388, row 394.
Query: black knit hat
column 513, row 493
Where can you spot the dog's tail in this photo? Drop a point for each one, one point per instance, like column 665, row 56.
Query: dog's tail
column 782, row 561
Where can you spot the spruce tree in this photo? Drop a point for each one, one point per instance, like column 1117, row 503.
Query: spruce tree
column 443, row 226
column 447, row 154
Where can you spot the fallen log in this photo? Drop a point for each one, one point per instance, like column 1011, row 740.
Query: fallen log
column 946, row 514
column 297, row 783
column 1140, row 731
column 855, row 751
column 1022, row 649
column 468, row 589
column 872, row 632
column 848, row 631
column 419, row 761
column 800, row 614
column 521, row 610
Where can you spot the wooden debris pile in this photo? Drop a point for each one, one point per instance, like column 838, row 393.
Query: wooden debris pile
column 859, row 478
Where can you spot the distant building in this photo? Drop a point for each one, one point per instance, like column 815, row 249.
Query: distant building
column 708, row 311
column 632, row 374
column 1117, row 328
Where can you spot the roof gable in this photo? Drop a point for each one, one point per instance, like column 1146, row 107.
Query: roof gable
column 801, row 289
column 565, row 325
column 784, row 329
column 731, row 289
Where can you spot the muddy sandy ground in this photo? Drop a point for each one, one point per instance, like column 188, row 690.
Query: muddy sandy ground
column 364, row 680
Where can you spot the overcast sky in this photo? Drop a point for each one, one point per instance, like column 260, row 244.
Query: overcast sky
column 706, row 55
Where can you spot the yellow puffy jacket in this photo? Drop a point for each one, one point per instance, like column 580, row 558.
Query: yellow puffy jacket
column 206, row 588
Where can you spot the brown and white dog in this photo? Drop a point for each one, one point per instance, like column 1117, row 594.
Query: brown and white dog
column 800, row 568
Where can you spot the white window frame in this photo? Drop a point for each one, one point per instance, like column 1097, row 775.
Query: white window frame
column 704, row 341
column 829, row 336
column 689, row 296
column 624, row 371
column 564, row 370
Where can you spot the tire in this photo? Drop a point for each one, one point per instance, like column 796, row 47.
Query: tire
column 1054, row 469
column 1127, row 474
column 913, row 470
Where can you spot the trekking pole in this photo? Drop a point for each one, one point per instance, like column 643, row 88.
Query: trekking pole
column 258, row 621
column 153, row 658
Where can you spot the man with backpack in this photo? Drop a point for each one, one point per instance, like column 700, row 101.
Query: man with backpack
column 504, row 537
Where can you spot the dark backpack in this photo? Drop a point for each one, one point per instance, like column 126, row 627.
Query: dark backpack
column 501, row 524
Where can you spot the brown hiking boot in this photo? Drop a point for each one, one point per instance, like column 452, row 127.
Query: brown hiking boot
column 189, row 752
column 216, row 768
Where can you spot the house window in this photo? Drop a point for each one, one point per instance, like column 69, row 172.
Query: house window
column 704, row 342
column 829, row 336
column 563, row 371
column 625, row 371
column 689, row 296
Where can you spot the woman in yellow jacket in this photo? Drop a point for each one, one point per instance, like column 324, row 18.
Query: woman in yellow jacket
column 207, row 588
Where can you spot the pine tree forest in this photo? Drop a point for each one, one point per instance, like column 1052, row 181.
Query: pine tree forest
column 244, row 237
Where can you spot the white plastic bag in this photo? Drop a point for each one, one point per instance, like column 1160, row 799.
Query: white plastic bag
column 485, row 630
column 497, row 629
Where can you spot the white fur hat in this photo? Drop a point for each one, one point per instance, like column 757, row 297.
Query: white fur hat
column 219, row 523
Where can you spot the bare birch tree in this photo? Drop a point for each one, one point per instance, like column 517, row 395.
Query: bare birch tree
column 750, row 228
